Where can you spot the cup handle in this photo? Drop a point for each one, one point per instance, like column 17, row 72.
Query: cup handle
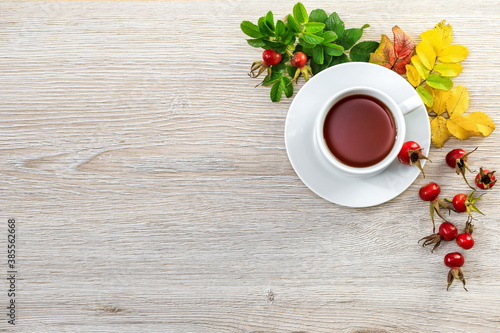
column 411, row 104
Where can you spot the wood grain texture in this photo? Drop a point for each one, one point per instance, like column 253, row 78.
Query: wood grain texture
column 153, row 193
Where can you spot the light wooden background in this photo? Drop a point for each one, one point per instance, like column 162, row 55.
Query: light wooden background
column 152, row 190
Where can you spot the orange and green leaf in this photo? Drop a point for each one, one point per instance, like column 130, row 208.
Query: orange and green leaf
column 394, row 55
column 384, row 55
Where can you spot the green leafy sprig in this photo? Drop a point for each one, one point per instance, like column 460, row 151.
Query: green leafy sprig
column 322, row 37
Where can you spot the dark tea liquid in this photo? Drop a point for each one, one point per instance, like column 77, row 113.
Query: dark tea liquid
column 359, row 130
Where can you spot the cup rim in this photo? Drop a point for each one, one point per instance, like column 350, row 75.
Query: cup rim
column 396, row 113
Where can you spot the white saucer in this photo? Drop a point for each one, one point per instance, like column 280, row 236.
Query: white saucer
column 312, row 167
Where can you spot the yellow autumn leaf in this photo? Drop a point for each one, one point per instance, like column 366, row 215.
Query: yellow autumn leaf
column 453, row 53
column 448, row 69
column 412, row 75
column 446, row 32
column 439, row 131
column 440, row 98
column 458, row 101
column 484, row 123
column 426, row 54
column 435, row 54
column 434, row 39
column 462, row 127
column 419, row 66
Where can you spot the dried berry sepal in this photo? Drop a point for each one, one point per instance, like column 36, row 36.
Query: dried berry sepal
column 461, row 166
column 469, row 227
column 415, row 157
column 435, row 209
column 304, row 71
column 257, row 68
column 411, row 154
column 435, row 239
column 456, row 273
column 485, row 179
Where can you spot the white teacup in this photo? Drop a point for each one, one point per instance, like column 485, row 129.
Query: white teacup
column 361, row 130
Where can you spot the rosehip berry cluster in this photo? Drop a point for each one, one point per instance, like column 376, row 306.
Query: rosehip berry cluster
column 457, row 159
column 460, row 203
column 448, row 232
column 272, row 58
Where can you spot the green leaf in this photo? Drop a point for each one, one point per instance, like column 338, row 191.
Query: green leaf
column 287, row 87
column 439, row 82
column 314, row 27
column 329, row 36
column 300, row 13
column 318, row 54
column 335, row 24
column 264, row 29
column 306, row 46
column 276, row 91
column 270, row 20
column 350, row 37
column 256, row 42
column 328, row 58
column 290, row 70
column 280, row 28
column 333, row 49
column 339, row 60
column 274, row 77
column 279, row 68
column 292, row 24
column 308, row 51
column 312, row 39
column 318, row 15
column 250, row 29
column 278, row 47
column 316, row 68
column 425, row 95
column 362, row 50
column 329, row 62
column 288, row 38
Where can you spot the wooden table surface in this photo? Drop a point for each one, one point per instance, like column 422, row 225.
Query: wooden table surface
column 152, row 191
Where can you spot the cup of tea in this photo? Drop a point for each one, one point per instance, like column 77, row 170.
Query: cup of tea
column 360, row 130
